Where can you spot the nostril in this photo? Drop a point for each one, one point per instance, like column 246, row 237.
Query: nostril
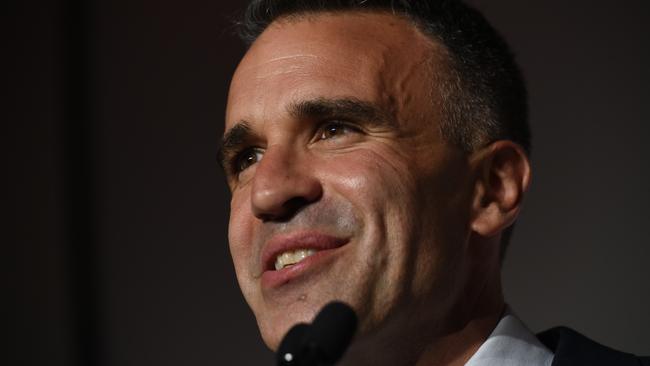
column 288, row 210
column 293, row 205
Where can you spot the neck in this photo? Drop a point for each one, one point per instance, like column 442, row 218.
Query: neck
column 413, row 342
column 458, row 347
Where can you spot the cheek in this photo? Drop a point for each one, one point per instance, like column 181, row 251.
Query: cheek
column 383, row 190
column 240, row 239
column 370, row 176
column 383, row 187
column 402, row 202
column 240, row 230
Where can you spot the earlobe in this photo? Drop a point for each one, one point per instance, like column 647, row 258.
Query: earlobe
column 502, row 172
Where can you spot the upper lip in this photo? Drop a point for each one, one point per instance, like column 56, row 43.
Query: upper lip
column 300, row 240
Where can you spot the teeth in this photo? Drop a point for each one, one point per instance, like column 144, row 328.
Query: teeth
column 292, row 257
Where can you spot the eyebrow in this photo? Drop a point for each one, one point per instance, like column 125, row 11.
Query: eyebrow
column 345, row 108
column 349, row 108
column 232, row 140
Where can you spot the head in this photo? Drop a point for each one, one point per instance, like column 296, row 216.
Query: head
column 387, row 142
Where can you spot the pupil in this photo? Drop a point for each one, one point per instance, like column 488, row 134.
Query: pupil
column 247, row 161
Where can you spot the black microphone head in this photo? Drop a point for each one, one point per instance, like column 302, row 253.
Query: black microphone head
column 332, row 331
column 291, row 345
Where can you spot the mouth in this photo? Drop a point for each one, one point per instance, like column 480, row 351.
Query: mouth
column 286, row 257
column 292, row 257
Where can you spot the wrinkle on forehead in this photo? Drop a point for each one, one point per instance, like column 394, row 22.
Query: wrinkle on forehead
column 293, row 57
column 385, row 36
column 287, row 63
column 391, row 56
column 286, row 56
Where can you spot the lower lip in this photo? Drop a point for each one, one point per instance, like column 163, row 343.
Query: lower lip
column 277, row 278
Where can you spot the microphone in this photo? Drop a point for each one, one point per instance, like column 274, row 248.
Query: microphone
column 321, row 343
column 289, row 352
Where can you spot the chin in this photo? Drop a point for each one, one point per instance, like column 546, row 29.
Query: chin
column 273, row 337
column 274, row 326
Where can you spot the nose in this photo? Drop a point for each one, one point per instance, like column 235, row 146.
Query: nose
column 283, row 184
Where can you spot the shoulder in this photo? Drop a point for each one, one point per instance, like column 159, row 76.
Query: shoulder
column 572, row 348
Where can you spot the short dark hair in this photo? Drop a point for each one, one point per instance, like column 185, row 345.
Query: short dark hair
column 484, row 97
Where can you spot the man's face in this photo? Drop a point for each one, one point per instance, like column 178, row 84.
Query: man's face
column 333, row 153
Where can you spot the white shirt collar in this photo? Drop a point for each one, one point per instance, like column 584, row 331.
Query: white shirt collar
column 511, row 344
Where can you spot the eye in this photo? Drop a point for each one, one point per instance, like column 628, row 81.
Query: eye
column 247, row 158
column 335, row 129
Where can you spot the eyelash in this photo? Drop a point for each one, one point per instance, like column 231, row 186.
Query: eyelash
column 238, row 165
column 328, row 125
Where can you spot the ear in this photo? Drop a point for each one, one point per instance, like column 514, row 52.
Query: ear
column 502, row 173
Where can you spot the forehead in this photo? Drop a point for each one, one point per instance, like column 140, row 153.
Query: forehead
column 376, row 57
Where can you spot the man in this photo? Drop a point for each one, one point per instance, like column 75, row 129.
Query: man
column 378, row 154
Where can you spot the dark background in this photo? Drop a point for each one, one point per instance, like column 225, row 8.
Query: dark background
column 116, row 247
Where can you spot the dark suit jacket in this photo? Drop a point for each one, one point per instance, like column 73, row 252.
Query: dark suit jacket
column 572, row 348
